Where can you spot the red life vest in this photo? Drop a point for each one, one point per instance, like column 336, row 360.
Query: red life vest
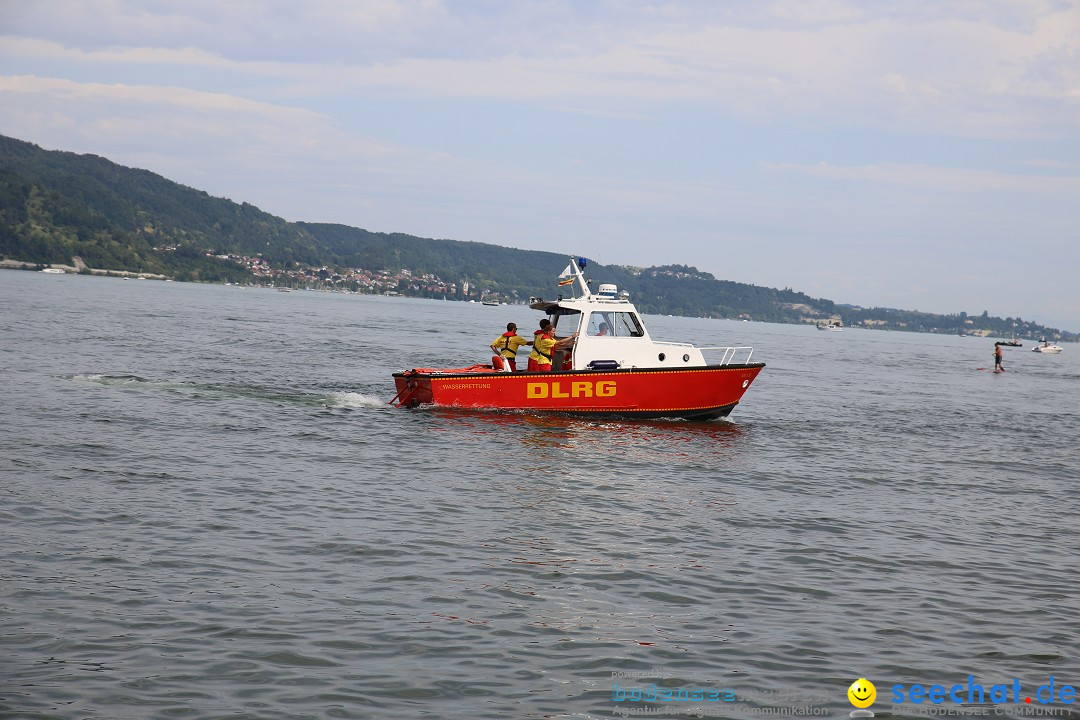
column 507, row 351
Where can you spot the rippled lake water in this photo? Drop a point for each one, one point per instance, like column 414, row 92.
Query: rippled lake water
column 208, row 510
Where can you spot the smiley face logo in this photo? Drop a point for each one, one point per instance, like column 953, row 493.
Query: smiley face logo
column 862, row 693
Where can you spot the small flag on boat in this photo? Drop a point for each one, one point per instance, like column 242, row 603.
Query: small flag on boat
column 568, row 272
column 567, row 281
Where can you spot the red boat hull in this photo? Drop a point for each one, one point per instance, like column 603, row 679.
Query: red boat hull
column 700, row 393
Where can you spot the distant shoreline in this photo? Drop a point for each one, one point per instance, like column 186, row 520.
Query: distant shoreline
column 82, row 269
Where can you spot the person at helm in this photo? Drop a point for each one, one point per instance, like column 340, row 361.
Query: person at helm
column 535, row 357
column 545, row 347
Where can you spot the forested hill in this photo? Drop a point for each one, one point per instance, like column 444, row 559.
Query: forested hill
column 56, row 207
column 510, row 273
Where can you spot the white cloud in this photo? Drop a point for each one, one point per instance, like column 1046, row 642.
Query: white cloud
column 976, row 69
column 61, row 92
column 193, row 58
column 944, row 179
column 315, row 30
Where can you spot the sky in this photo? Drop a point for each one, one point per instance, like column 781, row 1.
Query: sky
column 923, row 155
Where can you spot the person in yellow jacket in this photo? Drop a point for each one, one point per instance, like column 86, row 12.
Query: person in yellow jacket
column 544, row 347
column 534, row 356
column 506, row 346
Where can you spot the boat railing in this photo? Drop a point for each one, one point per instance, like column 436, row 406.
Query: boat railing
column 729, row 353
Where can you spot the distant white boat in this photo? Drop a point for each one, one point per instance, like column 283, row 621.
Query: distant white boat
column 284, row 289
column 1047, row 348
column 54, row 271
column 831, row 327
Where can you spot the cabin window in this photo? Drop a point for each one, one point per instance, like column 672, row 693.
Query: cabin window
column 566, row 322
column 614, row 324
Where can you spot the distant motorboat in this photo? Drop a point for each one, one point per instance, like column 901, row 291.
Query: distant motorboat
column 1047, row 348
column 831, row 327
column 54, row 271
column 491, row 302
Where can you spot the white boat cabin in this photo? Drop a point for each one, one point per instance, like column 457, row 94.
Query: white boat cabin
column 610, row 334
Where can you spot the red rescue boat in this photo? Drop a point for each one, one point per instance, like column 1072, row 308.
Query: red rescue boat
column 612, row 369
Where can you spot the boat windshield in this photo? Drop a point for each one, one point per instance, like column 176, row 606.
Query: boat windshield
column 614, row 324
column 566, row 322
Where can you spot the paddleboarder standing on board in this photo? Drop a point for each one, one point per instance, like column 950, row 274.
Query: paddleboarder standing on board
column 997, row 358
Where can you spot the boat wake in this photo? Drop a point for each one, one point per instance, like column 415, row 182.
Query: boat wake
column 126, row 380
column 354, row 401
column 290, row 396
